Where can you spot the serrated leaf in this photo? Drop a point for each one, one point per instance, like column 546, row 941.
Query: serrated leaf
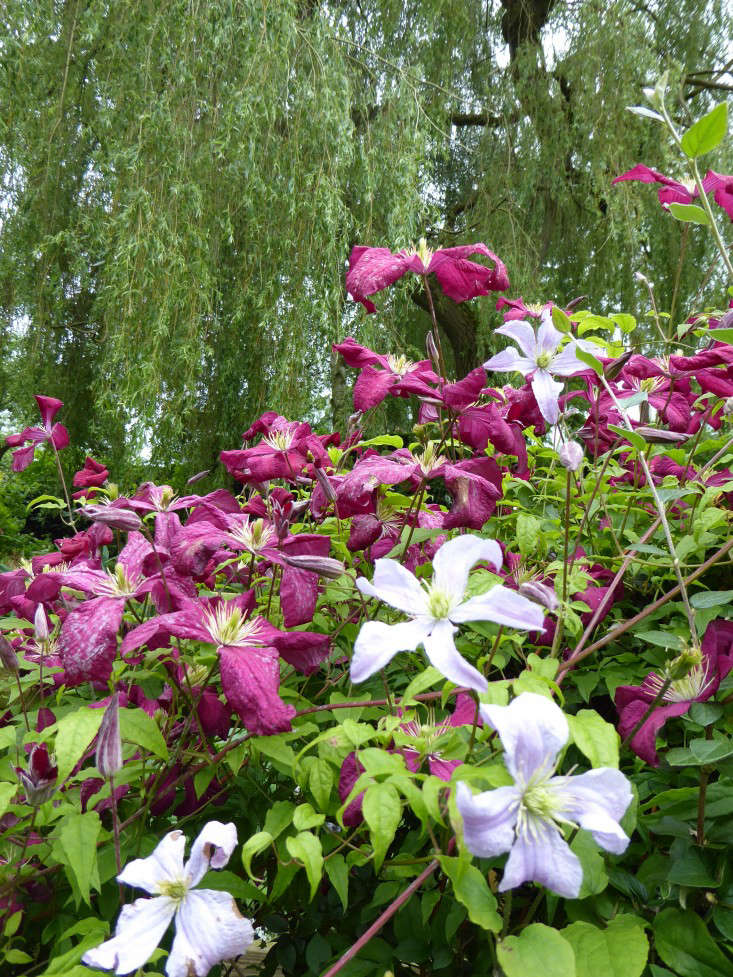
column 307, row 848
column 136, row 726
column 539, row 951
column 619, row 950
column 78, row 835
column 690, row 213
column 707, row 133
column 683, row 942
column 472, row 890
column 338, row 873
column 74, row 734
column 382, row 812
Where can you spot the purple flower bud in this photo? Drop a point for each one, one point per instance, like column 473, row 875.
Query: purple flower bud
column 198, row 477
column 109, row 747
column 571, row 455
column 39, row 780
column 113, row 517
column 655, row 435
column 40, row 624
column 540, row 593
column 325, row 483
column 324, row 566
column 612, row 369
column 7, row 654
column 432, row 351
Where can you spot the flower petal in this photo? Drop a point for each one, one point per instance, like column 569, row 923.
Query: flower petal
column 596, row 801
column 444, row 656
column 377, row 643
column 546, row 391
column 454, row 559
column 209, row 928
column 139, row 930
column 212, row 849
column 566, row 363
column 541, row 854
column 164, row 864
column 488, row 819
column 522, row 333
column 502, row 606
column 395, row 585
column 533, row 730
column 250, row 678
column 548, row 338
column 509, row 359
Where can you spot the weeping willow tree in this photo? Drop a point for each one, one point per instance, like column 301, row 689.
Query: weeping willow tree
column 183, row 182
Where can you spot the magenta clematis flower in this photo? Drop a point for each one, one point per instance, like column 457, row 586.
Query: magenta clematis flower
column 519, row 309
column 435, row 611
column 209, row 927
column 396, row 375
column 56, row 434
column 372, row 269
column 92, row 475
column 632, row 701
column 542, row 358
column 683, row 192
column 526, row 819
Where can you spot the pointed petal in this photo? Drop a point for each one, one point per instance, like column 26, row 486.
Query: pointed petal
column 164, row 864
column 548, row 338
column 88, row 640
column 377, row 643
column 443, row 654
column 547, row 391
column 541, row 854
column 488, row 819
column 395, row 585
column 523, row 335
column 209, row 928
column 510, row 360
column 596, row 801
column 532, row 729
column 454, row 559
column 212, row 849
column 502, row 606
column 250, row 678
column 566, row 363
column 140, row 929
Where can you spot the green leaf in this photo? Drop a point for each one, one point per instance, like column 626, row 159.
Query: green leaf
column 625, row 322
column 683, row 942
column 707, row 133
column 253, row 846
column 276, row 749
column 304, row 817
column 136, row 726
column 7, row 793
column 307, row 848
column 75, row 733
column 619, row 950
column 560, row 319
column 278, row 817
column 595, row 738
column 338, row 874
column 78, row 835
column 711, row 598
column 687, row 866
column 539, row 951
column 633, row 437
column 595, row 878
column 700, row 752
column 320, row 781
column 690, row 213
column 527, row 533
column 426, row 679
column 590, row 360
column 94, row 931
column 721, row 335
column 472, row 890
column 382, row 811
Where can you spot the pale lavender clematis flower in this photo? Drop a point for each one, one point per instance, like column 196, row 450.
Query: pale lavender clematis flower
column 542, row 357
column 526, row 819
column 435, row 609
column 209, row 927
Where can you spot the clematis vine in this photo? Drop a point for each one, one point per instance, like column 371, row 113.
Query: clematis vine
column 31, row 437
column 542, row 357
column 436, row 609
column 209, row 927
column 373, row 269
column 527, row 818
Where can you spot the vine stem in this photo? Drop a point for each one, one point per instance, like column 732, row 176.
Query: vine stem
column 63, row 484
column 652, row 706
column 557, row 637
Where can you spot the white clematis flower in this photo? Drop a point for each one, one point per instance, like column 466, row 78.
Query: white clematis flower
column 435, row 609
column 542, row 358
column 209, row 927
column 526, row 819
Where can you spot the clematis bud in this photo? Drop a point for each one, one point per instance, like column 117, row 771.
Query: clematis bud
column 198, row 476
column 611, row 370
column 571, row 456
column 540, row 593
column 40, row 624
column 655, row 435
column 324, row 566
column 39, row 780
column 7, row 655
column 432, row 350
column 325, row 483
column 109, row 746
column 108, row 515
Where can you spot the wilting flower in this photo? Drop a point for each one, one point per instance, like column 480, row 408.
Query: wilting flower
column 435, row 609
column 372, row 269
column 55, row 433
column 700, row 682
column 542, row 358
column 209, row 928
column 526, row 819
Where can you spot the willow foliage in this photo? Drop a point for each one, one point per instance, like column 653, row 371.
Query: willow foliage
column 182, row 183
